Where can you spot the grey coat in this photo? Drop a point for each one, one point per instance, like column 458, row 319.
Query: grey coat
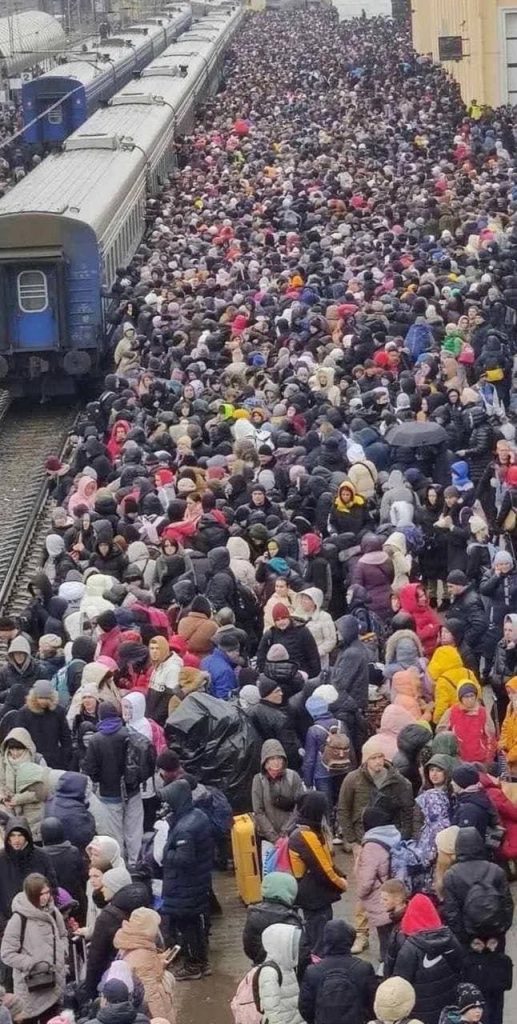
column 42, row 927
column 274, row 800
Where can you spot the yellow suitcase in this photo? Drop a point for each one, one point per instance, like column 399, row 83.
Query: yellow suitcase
column 246, row 859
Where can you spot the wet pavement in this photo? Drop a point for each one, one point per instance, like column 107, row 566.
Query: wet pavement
column 208, row 1001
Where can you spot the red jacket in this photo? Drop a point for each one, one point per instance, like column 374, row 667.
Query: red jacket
column 427, row 621
column 507, row 812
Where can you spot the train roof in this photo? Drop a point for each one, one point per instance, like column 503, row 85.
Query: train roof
column 116, row 143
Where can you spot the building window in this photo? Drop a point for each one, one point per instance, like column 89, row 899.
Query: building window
column 32, row 291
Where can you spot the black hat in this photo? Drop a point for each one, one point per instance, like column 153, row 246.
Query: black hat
column 458, row 578
column 465, row 775
column 266, row 686
column 469, row 996
column 107, row 621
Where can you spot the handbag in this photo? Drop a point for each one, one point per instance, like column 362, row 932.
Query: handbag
column 42, row 975
column 494, row 837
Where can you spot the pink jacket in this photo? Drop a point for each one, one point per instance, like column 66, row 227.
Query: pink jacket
column 372, row 869
column 393, row 720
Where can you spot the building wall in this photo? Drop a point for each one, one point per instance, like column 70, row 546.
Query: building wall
column 482, row 71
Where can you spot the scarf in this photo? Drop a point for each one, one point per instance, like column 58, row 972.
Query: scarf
column 110, row 725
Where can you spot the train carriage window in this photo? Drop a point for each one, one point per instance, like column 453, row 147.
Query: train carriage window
column 55, row 116
column 32, row 291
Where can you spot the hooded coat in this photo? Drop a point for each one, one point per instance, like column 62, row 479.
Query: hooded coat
column 410, row 742
column 394, row 719
column 67, row 860
column 338, row 939
column 372, row 868
column 188, row 854
column 45, row 939
column 221, row 589
column 279, row 891
column 48, row 729
column 358, row 791
column 15, row 865
column 374, row 571
column 350, row 673
column 430, row 959
column 279, row 999
column 163, row 683
column 446, row 668
column 198, row 631
column 240, row 561
column 274, row 800
column 396, row 548
column 321, row 625
column 101, row 951
column 468, row 607
column 435, row 805
column 26, row 673
column 69, row 803
column 427, row 621
column 472, row 867
column 26, row 779
column 136, row 941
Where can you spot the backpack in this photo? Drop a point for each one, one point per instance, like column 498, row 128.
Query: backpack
column 245, row 1005
column 60, row 681
column 246, row 604
column 277, row 858
column 338, row 999
column 482, row 910
column 140, row 761
column 335, row 756
column 406, row 865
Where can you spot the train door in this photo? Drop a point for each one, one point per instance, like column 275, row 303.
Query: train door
column 34, row 307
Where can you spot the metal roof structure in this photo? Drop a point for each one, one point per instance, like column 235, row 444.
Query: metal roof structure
column 26, row 36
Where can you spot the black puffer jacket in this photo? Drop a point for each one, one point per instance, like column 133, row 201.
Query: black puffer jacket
column 351, row 673
column 258, row 918
column 101, row 951
column 471, row 866
column 474, row 810
column 411, row 741
column 299, row 644
column 431, row 961
column 271, row 722
column 221, row 589
column 469, row 609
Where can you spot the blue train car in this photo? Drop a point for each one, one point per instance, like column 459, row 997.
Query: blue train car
column 68, row 226
column 58, row 102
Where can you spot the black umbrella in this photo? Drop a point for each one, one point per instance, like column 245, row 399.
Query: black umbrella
column 416, row 435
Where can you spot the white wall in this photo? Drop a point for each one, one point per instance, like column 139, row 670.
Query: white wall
column 354, row 8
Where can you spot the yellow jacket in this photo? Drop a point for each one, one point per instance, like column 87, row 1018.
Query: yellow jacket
column 447, row 670
column 508, row 738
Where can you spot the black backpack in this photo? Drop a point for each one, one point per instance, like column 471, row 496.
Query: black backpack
column 140, row 761
column 482, row 911
column 338, row 999
column 246, row 604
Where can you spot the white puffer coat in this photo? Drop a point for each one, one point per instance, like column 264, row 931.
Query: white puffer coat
column 279, row 1002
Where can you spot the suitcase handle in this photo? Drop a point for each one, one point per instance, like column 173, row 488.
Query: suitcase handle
column 255, row 863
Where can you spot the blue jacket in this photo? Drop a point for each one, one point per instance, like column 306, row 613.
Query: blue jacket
column 315, row 741
column 188, row 854
column 222, row 673
column 70, row 804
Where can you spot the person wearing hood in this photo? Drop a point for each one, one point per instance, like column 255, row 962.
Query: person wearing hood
column 118, row 435
column 316, row 775
column 350, row 672
column 69, row 804
column 394, row 719
column 45, row 721
column 315, row 568
column 372, row 868
column 67, row 861
column 320, row 882
column 20, row 667
column 36, row 933
column 37, row 611
column 504, row 665
column 435, row 804
column 164, row 680
column 498, row 589
column 221, row 665
column 414, row 745
column 137, row 942
column 414, row 601
column 274, row 793
column 430, row 958
column 119, row 901
column 339, row 982
column 470, row 722
column 24, row 778
column 279, row 891
column 278, row 989
column 374, row 571
column 107, row 557
column 133, row 714
column 240, row 561
column 447, row 669
column 394, row 1001
column 506, row 812
column 349, row 512
column 319, row 623
column 370, row 627
column 470, row 913
column 508, row 738
column 18, row 859
column 221, row 588
column 297, row 640
column 403, row 647
column 467, row 606
column 187, row 877
column 197, row 626
column 396, row 489
column 396, row 548
column 118, row 1005
column 472, row 807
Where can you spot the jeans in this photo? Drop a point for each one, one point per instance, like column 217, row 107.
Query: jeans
column 315, row 921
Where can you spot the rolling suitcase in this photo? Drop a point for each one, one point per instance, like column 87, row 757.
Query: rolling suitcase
column 246, row 859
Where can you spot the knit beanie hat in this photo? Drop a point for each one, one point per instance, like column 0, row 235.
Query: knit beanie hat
column 394, row 1000
column 446, row 839
column 465, row 775
column 249, row 696
column 502, row 558
column 277, row 652
column 280, row 611
column 44, row 689
column 457, row 577
column 468, row 997
column 115, row 991
column 478, row 525
column 466, row 689
column 202, row 605
column 372, row 748
column 267, row 686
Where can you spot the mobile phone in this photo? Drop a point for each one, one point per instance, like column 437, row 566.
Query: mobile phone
column 173, row 953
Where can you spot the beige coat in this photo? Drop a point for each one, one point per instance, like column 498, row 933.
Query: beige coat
column 44, row 940
column 136, row 940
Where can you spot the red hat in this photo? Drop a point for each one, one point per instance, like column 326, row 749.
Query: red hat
column 54, row 465
column 280, row 611
column 239, row 323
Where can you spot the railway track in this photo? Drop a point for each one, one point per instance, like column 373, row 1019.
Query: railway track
column 27, row 436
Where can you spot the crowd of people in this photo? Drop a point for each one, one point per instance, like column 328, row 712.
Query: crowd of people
column 296, row 497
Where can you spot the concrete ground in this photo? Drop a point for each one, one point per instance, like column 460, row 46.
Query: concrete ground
column 208, row 1001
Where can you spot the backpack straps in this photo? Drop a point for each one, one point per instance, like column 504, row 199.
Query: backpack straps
column 23, row 929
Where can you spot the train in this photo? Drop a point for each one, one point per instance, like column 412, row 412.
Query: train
column 80, row 215
column 60, row 101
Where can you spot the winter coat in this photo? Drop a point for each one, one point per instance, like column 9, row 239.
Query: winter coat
column 48, row 729
column 220, row 668
column 427, row 621
column 240, row 561
column 279, row 1000
column 277, row 907
column 188, row 854
column 300, row 646
column 221, row 589
column 431, row 961
column 105, row 762
column 321, row 625
column 111, row 564
column 136, row 941
column 508, row 738
column 403, row 650
column 358, row 791
column 274, row 800
column 373, row 868
column 350, row 673
column 473, row 809
column 396, row 488
column 26, row 673
column 319, row 883
column 411, row 742
column 15, row 865
column 272, row 722
column 26, row 779
column 315, row 740
column 44, row 940
column 474, row 732
column 396, row 548
column 500, row 594
column 69, row 803
column 446, row 668
column 394, row 719
column 198, row 631
column 337, row 960
column 101, row 951
column 374, row 571
column 469, row 609
column 68, row 863
column 164, row 681
column 471, row 867
column 506, row 811
column 435, row 805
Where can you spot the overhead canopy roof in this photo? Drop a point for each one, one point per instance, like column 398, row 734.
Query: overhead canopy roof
column 32, row 34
